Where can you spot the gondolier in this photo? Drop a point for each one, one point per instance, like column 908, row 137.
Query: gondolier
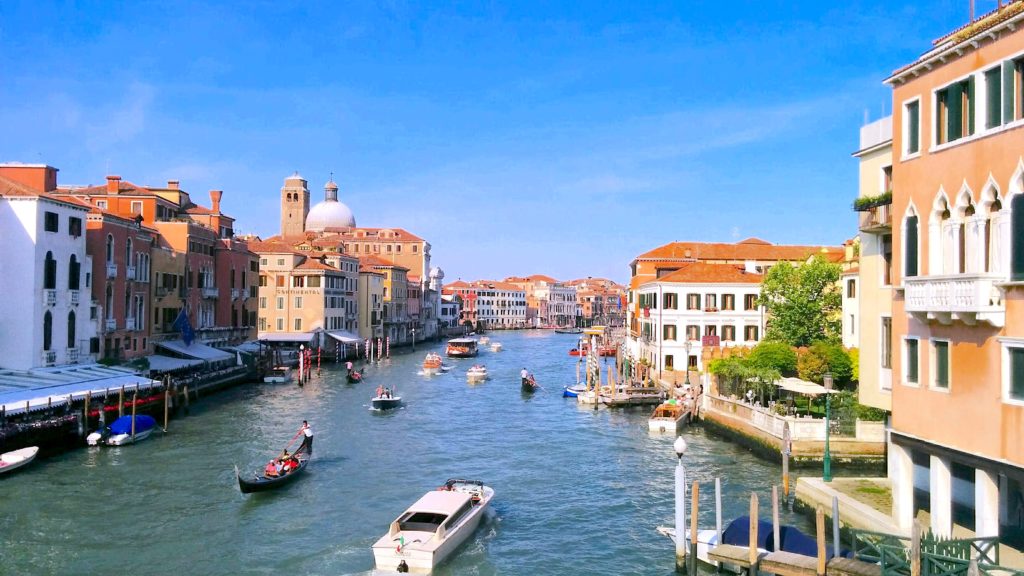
column 524, row 375
column 307, row 439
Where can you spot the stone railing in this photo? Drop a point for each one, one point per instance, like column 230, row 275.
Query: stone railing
column 49, row 297
column 969, row 297
column 805, row 428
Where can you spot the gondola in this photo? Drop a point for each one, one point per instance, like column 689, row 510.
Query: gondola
column 354, row 377
column 529, row 386
column 263, row 483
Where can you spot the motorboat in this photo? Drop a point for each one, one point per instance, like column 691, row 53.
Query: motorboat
column 606, row 351
column 477, row 373
column 385, row 400
column 120, row 432
column 496, row 346
column 484, row 340
column 574, row 391
column 462, row 348
column 581, row 351
column 278, row 375
column 432, row 363
column 430, row 530
column 262, row 482
column 11, row 461
column 667, row 417
column 568, row 331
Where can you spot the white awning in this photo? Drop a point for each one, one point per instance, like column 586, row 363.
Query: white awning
column 803, row 387
column 297, row 337
column 161, row 363
column 345, row 337
column 195, row 350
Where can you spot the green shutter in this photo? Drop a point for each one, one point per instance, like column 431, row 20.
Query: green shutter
column 911, row 360
column 1008, row 92
column 942, row 364
column 971, row 105
column 954, row 112
column 910, row 249
column 1017, row 373
column 1017, row 235
column 914, row 127
column 993, row 98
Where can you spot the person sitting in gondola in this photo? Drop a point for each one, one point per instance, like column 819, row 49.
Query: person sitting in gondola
column 272, row 469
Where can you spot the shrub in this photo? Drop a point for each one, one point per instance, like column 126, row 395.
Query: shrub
column 774, row 355
column 823, row 357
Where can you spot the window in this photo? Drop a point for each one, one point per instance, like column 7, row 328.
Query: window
column 101, row 204
column 74, row 273
column 912, row 127
column 298, row 282
column 1017, row 235
column 298, row 324
column 49, row 272
column 886, row 179
column 71, row 329
column 750, row 302
column 280, row 324
column 954, row 111
column 298, row 301
column 941, row 364
column 74, row 226
column 728, row 333
column 669, row 362
column 137, row 207
column 692, row 363
column 670, row 300
column 263, row 280
column 910, row 247
column 711, row 302
column 711, row 330
column 47, row 330
column 886, row 338
column 263, row 301
column 280, row 302
column 750, row 333
column 280, row 261
column 851, row 288
column 910, row 371
column 886, row 250
column 263, row 261
column 993, row 98
column 668, row 332
column 728, row 301
column 693, row 301
column 280, row 281
column 1016, row 376
column 313, row 282
column 1013, row 90
column 110, row 249
column 50, row 222
column 693, row 332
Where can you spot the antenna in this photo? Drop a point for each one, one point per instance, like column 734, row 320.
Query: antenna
column 972, row 11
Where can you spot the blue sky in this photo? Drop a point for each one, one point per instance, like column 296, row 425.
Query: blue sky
column 521, row 138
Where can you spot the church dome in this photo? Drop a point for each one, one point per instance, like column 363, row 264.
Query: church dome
column 330, row 214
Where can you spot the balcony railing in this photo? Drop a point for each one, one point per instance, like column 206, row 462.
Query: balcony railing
column 74, row 296
column 876, row 219
column 162, row 291
column 111, row 324
column 72, row 355
column 49, row 357
column 49, row 297
column 210, row 291
column 111, row 270
column 235, row 293
column 969, row 298
column 129, row 323
column 130, row 272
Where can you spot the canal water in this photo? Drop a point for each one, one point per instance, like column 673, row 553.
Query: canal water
column 578, row 491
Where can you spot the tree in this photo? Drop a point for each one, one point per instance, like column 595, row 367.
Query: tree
column 822, row 358
column 803, row 303
column 778, row 356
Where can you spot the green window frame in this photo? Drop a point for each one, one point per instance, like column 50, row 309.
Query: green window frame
column 913, row 356
column 913, row 111
column 910, row 248
column 1016, row 383
column 993, row 98
column 941, row 364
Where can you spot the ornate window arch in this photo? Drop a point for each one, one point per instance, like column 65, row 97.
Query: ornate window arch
column 940, row 236
column 910, row 245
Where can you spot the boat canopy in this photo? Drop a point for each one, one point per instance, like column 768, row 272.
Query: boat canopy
column 160, row 363
column 441, row 502
column 344, row 337
column 463, row 341
column 287, row 337
column 123, row 425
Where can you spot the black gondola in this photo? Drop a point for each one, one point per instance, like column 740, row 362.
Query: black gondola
column 264, row 483
column 529, row 386
column 354, row 377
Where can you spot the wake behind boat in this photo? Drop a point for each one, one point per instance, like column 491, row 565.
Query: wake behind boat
column 430, row 530
column 11, row 461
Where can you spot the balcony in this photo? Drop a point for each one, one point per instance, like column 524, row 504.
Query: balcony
column 49, row 297
column 876, row 219
column 111, row 324
column 210, row 291
column 49, row 357
column 72, row 355
column 74, row 297
column 111, row 270
column 236, row 293
column 968, row 298
column 129, row 323
column 130, row 270
column 162, row 291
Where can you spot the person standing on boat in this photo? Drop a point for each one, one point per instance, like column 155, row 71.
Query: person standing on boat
column 525, row 375
column 307, row 439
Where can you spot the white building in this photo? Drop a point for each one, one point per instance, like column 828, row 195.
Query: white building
column 449, row 312
column 850, row 281
column 699, row 304
column 48, row 316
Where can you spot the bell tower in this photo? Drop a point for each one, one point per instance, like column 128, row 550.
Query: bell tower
column 294, row 205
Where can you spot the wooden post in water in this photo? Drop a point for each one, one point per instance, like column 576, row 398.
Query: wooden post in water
column 167, row 404
column 819, row 525
column 775, row 516
column 915, row 549
column 718, row 509
column 835, row 525
column 135, row 401
column 753, row 533
column 85, row 412
column 787, row 449
column 186, row 399
column 120, row 402
column 692, row 559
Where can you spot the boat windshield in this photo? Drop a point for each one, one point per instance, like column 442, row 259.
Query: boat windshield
column 421, row 522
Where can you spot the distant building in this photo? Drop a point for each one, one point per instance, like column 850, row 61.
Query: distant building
column 548, row 301
column 601, row 301
column 371, row 302
column 397, row 322
column 490, row 304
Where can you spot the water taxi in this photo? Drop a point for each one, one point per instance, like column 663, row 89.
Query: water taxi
column 496, row 346
column 278, row 375
column 432, row 363
column 667, row 417
column 431, row 529
column 461, row 348
column 477, row 373
column 385, row 399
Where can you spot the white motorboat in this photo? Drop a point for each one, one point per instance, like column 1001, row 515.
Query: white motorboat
column 484, row 340
column 278, row 375
column 432, row 528
column 121, row 433
column 11, row 461
column 477, row 373
column 667, row 417
column 496, row 347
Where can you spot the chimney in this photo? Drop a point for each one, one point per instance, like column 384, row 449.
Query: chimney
column 750, row 267
column 113, row 184
column 173, row 185
column 215, row 199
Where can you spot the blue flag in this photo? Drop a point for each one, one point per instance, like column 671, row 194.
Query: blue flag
column 182, row 325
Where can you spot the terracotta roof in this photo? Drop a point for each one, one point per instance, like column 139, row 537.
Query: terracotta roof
column 123, row 187
column 197, row 209
column 379, row 262
column 271, row 246
column 704, row 273
column 749, row 249
column 314, row 264
column 457, row 284
column 363, row 269
column 13, row 188
column 542, row 278
column 852, row 271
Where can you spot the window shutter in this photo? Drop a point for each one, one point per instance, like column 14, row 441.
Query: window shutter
column 1008, row 69
column 993, row 94
column 954, row 112
column 914, row 126
column 910, row 249
column 1017, row 233
column 942, row 365
column 971, row 105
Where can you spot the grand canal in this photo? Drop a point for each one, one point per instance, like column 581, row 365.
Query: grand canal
column 578, row 491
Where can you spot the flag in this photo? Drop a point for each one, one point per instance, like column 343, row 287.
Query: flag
column 182, row 325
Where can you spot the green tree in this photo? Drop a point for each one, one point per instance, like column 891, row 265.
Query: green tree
column 822, row 358
column 778, row 356
column 803, row 302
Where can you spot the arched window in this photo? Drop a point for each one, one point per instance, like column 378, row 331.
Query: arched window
column 965, row 233
column 941, row 238
column 71, row 329
column 990, row 207
column 74, row 273
column 110, row 248
column 47, row 331
column 49, row 272
column 910, row 245
column 1017, row 234
column 128, row 252
column 108, row 302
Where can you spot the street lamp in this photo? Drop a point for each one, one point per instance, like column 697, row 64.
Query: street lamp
column 827, row 477
column 687, row 364
column 680, row 448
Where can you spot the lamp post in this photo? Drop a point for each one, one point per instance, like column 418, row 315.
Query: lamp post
column 827, row 476
column 687, row 363
column 680, row 448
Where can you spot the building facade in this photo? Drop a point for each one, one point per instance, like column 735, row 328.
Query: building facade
column 371, row 303
column 490, row 304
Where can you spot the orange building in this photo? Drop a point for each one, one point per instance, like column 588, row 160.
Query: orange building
column 957, row 439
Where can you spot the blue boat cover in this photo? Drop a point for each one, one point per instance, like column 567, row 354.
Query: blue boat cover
column 793, row 540
column 123, row 425
column 737, row 533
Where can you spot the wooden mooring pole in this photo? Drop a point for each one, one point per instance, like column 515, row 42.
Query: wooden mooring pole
column 691, row 560
column 120, row 402
column 753, row 553
column 775, row 516
column 167, row 404
column 915, row 549
column 186, row 399
column 135, row 402
column 85, row 413
column 718, row 509
column 819, row 525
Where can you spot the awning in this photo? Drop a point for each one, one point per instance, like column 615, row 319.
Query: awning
column 161, row 363
column 803, row 387
column 296, row 337
column 40, row 388
column 345, row 337
column 195, row 350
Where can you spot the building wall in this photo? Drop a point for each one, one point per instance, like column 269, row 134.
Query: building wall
column 294, row 205
column 371, row 303
column 850, row 310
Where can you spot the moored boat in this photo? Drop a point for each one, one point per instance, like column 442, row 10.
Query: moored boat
column 278, row 375
column 121, row 433
column 430, row 530
column 461, row 348
column 667, row 417
column 263, row 482
column 568, row 331
column 11, row 461
column 574, row 390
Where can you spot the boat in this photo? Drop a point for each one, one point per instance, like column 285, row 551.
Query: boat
column 607, row 351
column 354, row 377
column 11, row 461
column 484, row 340
column 495, row 346
column 119, row 433
column 529, row 385
column 574, row 390
column 385, row 399
column 667, row 417
column 461, row 348
column 568, row 331
column 477, row 373
column 432, row 363
column 262, row 482
column 430, row 530
column 278, row 375
column 580, row 351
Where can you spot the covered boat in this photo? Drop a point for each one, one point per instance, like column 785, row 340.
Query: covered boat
column 262, row 482
column 278, row 375
column 120, row 431
column 461, row 348
column 430, row 530
column 573, row 391
column 667, row 417
column 11, row 461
